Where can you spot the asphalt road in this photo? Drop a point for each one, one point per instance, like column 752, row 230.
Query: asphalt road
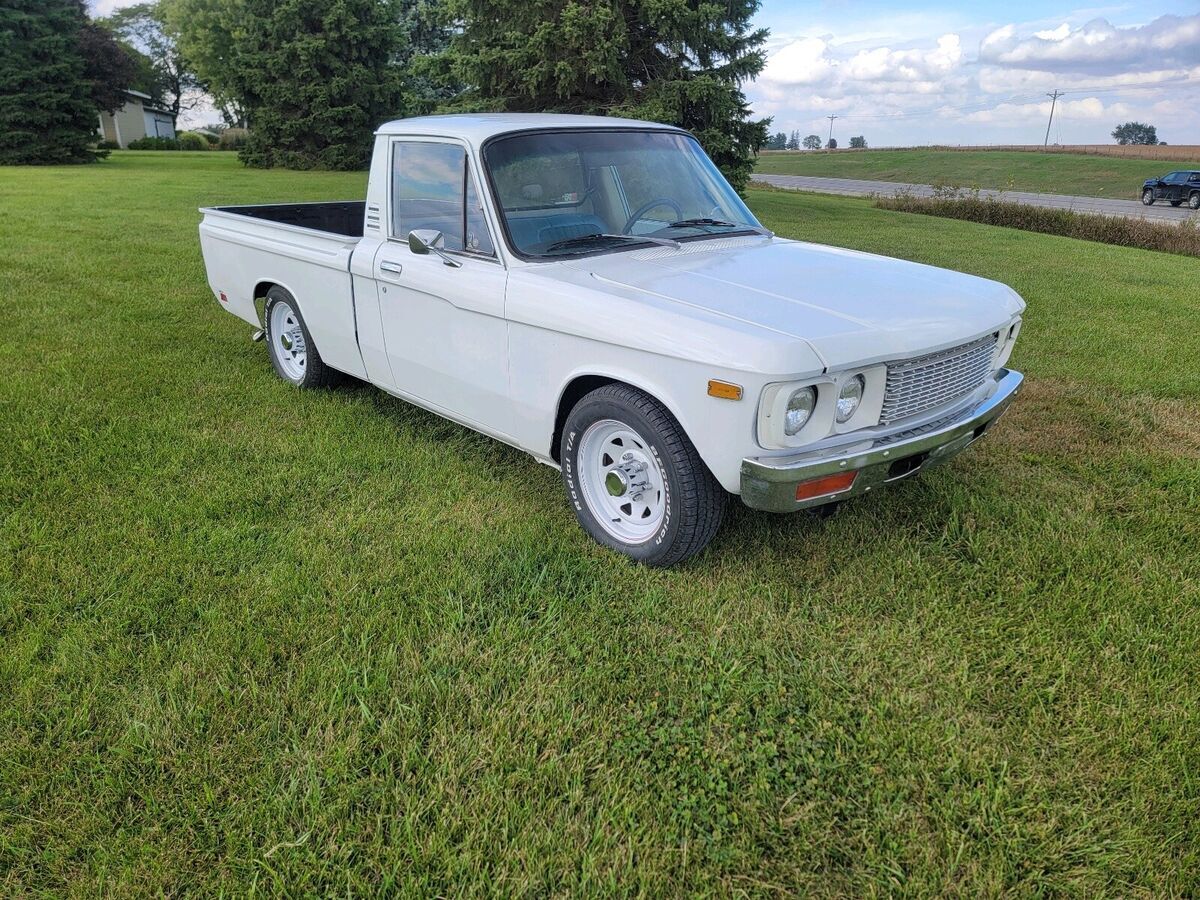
column 854, row 187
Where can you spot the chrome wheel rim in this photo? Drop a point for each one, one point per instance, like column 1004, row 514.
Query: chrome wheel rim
column 622, row 482
column 1147, row 196
column 287, row 341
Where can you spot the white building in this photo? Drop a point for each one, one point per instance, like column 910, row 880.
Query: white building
column 138, row 118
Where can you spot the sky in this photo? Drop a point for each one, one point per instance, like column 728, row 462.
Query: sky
column 914, row 73
column 904, row 74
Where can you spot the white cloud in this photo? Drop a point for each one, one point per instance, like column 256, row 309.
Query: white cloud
column 1097, row 46
column 805, row 61
column 907, row 65
column 1087, row 109
column 1054, row 34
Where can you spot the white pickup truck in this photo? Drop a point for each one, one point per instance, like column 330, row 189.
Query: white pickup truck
column 592, row 291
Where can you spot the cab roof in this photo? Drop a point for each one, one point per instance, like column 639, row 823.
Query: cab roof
column 478, row 127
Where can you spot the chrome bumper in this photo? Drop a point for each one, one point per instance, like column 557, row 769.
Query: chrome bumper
column 770, row 483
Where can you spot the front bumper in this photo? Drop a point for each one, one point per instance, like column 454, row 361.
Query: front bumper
column 770, row 483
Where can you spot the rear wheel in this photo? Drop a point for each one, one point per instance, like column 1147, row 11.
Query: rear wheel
column 1148, row 197
column 635, row 481
column 293, row 353
column 1194, row 200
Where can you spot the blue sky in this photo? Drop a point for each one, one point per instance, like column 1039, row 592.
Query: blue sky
column 954, row 73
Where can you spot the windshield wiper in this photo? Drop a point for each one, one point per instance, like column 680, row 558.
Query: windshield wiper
column 584, row 239
column 716, row 223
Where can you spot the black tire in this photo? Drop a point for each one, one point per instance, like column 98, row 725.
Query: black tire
column 1176, row 202
column 315, row 373
column 1194, row 200
column 694, row 500
column 1148, row 197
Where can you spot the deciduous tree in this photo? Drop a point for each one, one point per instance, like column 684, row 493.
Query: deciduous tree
column 174, row 83
column 812, row 142
column 1135, row 133
column 314, row 78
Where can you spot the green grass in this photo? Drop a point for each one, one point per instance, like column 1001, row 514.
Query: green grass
column 327, row 643
column 1014, row 170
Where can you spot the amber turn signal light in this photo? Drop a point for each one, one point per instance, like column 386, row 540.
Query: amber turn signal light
column 828, row 484
column 724, row 390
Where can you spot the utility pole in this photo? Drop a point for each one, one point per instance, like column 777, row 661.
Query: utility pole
column 1053, row 100
column 831, row 118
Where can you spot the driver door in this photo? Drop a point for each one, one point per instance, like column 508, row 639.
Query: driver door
column 443, row 322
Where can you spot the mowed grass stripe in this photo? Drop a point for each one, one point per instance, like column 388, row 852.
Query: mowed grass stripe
column 1012, row 170
column 330, row 643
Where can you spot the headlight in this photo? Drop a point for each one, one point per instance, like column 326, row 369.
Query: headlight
column 799, row 409
column 849, row 398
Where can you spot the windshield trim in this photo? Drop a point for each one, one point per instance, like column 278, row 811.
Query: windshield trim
column 502, row 219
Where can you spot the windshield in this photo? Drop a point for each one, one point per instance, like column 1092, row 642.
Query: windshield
column 571, row 192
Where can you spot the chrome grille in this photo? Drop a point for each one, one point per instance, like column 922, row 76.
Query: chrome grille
column 927, row 382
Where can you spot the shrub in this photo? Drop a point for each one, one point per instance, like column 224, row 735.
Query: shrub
column 108, row 145
column 233, row 138
column 189, row 140
column 1183, row 238
column 154, row 143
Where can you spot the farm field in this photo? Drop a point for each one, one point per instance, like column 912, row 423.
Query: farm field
column 1053, row 173
column 327, row 643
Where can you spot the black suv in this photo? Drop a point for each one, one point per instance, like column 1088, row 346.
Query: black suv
column 1176, row 188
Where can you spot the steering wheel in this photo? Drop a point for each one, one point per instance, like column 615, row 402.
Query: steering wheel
column 646, row 207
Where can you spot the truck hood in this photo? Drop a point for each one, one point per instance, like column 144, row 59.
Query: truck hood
column 852, row 308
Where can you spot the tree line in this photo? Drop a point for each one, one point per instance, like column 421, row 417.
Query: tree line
column 783, row 141
column 312, row 79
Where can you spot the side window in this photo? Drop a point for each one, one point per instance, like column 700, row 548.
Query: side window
column 431, row 190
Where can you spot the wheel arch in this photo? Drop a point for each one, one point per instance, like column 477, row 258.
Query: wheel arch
column 259, row 296
column 581, row 384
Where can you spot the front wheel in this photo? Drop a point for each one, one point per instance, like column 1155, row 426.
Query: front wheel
column 1148, row 197
column 1194, row 200
column 635, row 481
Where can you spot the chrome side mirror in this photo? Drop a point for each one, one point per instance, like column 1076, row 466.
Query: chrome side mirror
column 423, row 241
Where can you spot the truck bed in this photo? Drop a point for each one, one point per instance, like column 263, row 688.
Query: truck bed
column 303, row 248
column 343, row 217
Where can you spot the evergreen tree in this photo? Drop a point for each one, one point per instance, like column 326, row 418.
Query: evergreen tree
column 677, row 61
column 316, row 79
column 47, row 112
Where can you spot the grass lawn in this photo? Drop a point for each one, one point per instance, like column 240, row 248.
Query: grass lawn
column 326, row 643
column 1014, row 170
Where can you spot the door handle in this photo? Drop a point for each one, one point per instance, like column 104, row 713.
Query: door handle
column 394, row 268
